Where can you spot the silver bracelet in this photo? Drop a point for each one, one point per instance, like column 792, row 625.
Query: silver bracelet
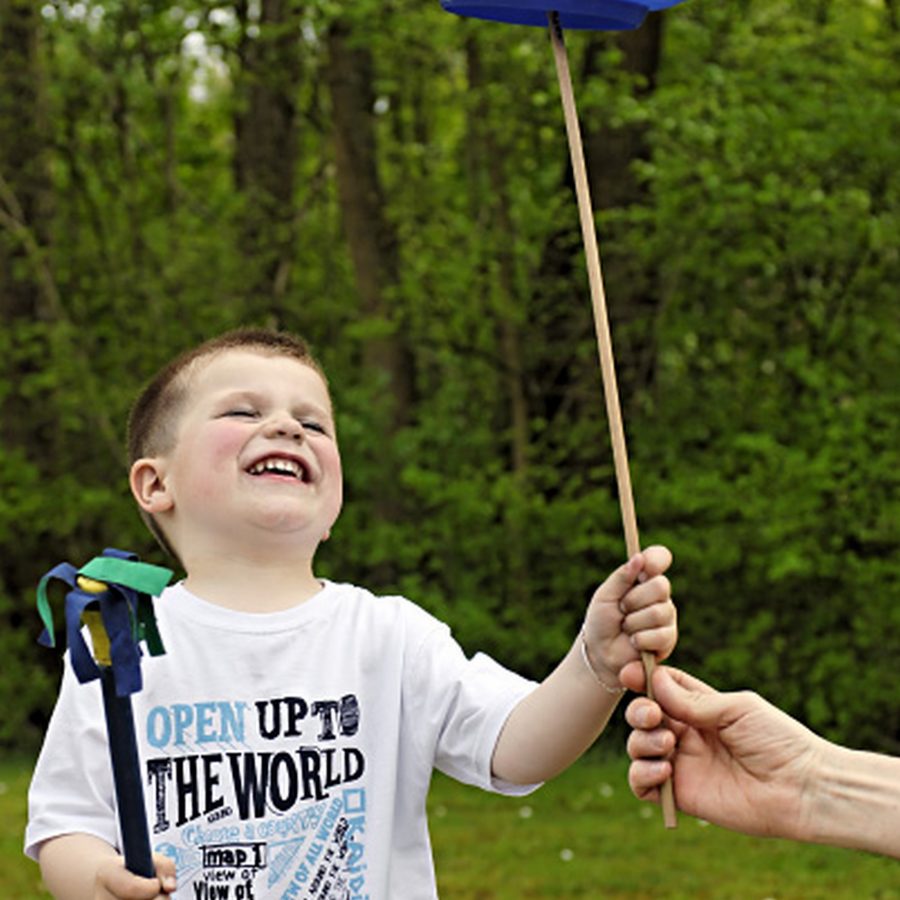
column 618, row 689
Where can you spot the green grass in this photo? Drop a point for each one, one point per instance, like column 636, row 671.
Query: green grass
column 22, row 880
column 583, row 835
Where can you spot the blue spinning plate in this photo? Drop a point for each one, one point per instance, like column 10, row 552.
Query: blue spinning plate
column 595, row 15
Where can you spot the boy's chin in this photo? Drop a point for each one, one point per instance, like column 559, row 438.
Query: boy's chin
column 288, row 532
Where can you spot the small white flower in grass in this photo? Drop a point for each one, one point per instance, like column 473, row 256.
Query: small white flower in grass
column 440, row 811
column 3, row 788
column 646, row 812
column 525, row 812
column 566, row 855
column 703, row 823
column 606, row 790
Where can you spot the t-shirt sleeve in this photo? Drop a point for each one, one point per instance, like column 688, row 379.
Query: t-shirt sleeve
column 72, row 787
column 462, row 705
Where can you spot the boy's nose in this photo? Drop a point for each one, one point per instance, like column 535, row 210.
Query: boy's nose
column 284, row 426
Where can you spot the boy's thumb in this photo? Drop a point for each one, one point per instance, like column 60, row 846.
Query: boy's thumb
column 620, row 581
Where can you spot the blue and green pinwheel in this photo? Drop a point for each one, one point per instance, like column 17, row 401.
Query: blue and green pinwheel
column 111, row 595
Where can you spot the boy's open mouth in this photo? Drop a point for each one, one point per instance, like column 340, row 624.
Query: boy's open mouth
column 281, row 465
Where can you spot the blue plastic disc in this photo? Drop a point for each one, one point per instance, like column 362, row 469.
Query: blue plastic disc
column 595, row 15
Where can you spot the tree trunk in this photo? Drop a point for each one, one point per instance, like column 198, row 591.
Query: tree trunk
column 29, row 299
column 28, row 293
column 493, row 208
column 489, row 156
column 371, row 237
column 25, row 195
column 632, row 292
column 373, row 246
column 265, row 127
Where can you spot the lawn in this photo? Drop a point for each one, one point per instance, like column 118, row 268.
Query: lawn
column 584, row 835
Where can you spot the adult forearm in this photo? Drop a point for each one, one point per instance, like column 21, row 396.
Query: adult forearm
column 551, row 727
column 858, row 802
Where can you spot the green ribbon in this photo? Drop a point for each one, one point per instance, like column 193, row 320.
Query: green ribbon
column 144, row 578
column 139, row 576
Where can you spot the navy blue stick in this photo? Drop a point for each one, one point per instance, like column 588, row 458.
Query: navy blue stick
column 126, row 766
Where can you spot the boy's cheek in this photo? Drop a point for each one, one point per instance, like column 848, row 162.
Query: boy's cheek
column 223, row 445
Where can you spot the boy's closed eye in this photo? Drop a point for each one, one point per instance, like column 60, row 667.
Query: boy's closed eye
column 306, row 424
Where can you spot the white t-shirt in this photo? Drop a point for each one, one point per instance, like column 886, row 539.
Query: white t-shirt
column 285, row 755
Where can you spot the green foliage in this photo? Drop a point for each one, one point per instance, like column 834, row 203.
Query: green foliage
column 779, row 363
column 762, row 421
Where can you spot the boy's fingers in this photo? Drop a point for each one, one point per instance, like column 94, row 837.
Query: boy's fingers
column 644, row 566
column 658, row 641
column 619, row 583
column 648, row 609
column 657, row 560
column 117, row 881
column 648, row 593
column 165, row 871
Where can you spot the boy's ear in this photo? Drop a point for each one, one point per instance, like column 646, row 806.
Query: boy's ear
column 149, row 485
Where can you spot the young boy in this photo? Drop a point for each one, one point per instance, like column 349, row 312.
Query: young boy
column 289, row 733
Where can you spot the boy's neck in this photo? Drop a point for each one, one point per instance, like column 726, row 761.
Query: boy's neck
column 252, row 585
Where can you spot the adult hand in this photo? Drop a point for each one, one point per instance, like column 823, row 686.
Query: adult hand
column 739, row 761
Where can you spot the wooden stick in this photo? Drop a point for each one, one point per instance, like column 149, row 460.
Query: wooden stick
column 604, row 341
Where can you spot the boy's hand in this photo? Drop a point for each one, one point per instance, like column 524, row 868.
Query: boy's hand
column 115, row 882
column 630, row 612
column 78, row 866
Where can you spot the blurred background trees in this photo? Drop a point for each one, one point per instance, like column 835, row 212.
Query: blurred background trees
column 393, row 183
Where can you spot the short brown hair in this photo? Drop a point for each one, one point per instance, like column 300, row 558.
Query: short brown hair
column 152, row 422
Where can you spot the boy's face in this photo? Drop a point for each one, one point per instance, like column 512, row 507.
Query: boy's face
column 255, row 458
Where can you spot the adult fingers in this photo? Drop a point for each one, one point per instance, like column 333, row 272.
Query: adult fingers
column 688, row 699
column 643, row 713
column 658, row 743
column 632, row 676
column 654, row 734
column 645, row 777
column 674, row 689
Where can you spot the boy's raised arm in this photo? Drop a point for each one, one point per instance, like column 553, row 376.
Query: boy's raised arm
column 84, row 867
column 551, row 727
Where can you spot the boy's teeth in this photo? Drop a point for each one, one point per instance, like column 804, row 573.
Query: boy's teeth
column 278, row 466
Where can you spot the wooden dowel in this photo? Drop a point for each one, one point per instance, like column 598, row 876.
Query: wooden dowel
column 604, row 340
